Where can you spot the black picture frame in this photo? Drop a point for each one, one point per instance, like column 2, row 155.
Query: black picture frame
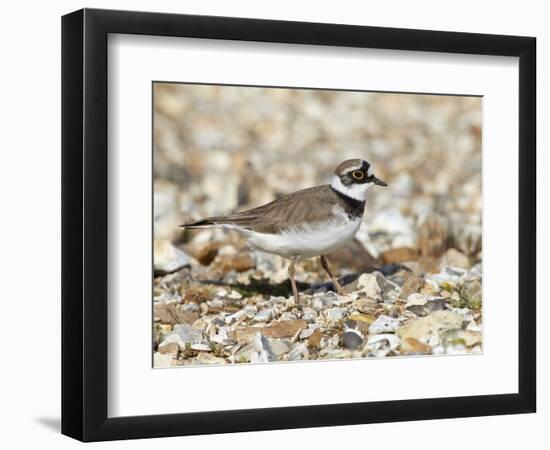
column 84, row 224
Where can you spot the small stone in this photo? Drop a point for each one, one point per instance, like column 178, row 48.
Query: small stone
column 352, row 339
column 368, row 283
column 455, row 258
column 235, row 295
column 416, row 299
column 221, row 336
column 353, row 256
column 216, row 303
column 182, row 335
column 168, row 259
column 284, row 328
column 384, row 324
column 472, row 291
column 448, row 276
column 428, row 264
column 263, row 316
column 309, row 314
column 165, row 328
column 208, row 358
column 399, row 255
column 201, row 347
column 468, row 338
column 244, row 355
column 263, row 352
column 337, row 353
column 412, row 346
column 298, row 353
column 475, row 272
column 307, row 333
column 196, row 294
column 226, row 261
column 411, row 285
column 381, row 345
column 422, row 305
column 171, row 349
column 473, row 326
column 168, row 313
column 362, row 318
column 335, row 315
column 315, row 339
column 164, row 360
column 362, row 321
column 236, row 317
column 280, row 347
column 365, row 305
column 433, row 324
column 325, row 300
column 200, row 324
column 208, row 253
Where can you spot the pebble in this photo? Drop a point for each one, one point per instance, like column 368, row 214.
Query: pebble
column 263, row 316
column 285, row 328
column 384, row 324
column 382, row 344
column 262, row 350
column 335, row 315
column 201, row 347
column 455, row 258
column 163, row 360
column 352, row 339
column 182, row 335
column 467, row 338
column 433, row 324
column 399, row 255
column 280, row 346
column 368, row 283
column 307, row 333
column 412, row 346
column 448, row 274
column 325, row 300
column 298, row 353
column 315, row 339
column 208, row 358
column 168, row 258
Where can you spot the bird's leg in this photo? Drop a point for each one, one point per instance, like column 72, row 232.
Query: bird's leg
column 293, row 282
column 324, row 264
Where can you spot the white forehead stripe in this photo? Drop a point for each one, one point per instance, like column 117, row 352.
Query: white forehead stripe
column 370, row 172
column 359, row 166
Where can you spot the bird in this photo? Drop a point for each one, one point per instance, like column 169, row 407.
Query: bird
column 307, row 223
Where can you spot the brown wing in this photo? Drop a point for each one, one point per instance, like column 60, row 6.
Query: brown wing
column 308, row 205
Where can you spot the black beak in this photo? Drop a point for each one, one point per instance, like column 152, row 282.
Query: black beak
column 379, row 182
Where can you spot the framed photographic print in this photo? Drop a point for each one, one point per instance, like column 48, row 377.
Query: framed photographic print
column 273, row 224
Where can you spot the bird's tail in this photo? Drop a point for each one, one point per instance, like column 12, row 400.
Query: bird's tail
column 204, row 223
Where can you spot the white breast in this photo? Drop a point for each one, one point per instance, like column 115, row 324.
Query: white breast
column 308, row 240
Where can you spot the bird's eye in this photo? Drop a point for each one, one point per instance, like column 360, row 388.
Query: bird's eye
column 357, row 174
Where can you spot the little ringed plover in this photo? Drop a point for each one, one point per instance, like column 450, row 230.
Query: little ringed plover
column 307, row 223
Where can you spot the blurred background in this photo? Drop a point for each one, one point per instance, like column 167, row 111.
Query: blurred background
column 219, row 149
column 412, row 275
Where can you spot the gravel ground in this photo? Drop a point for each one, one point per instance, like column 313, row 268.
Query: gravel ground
column 412, row 277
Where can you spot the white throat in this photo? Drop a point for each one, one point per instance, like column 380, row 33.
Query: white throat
column 355, row 191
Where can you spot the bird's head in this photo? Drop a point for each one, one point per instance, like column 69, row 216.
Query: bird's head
column 354, row 177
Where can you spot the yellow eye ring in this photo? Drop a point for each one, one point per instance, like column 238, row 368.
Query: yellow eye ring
column 357, row 174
